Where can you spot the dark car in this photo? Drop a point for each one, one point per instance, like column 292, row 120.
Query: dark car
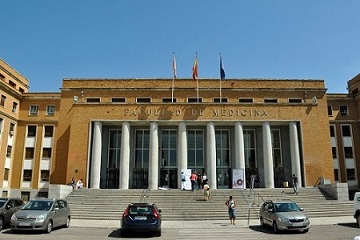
column 141, row 217
column 8, row 206
column 41, row 215
column 283, row 215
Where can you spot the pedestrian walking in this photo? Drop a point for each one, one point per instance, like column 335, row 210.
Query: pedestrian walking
column 231, row 204
column 295, row 183
column 205, row 180
column 206, row 189
column 252, row 180
column 199, row 180
column 183, row 180
column 193, row 179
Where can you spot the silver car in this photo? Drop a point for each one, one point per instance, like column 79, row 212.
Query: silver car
column 41, row 215
column 283, row 215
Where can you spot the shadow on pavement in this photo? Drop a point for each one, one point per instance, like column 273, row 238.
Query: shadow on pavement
column 349, row 225
column 116, row 234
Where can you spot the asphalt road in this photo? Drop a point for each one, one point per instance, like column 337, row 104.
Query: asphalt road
column 318, row 232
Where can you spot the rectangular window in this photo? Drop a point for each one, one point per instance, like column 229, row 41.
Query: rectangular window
column 27, row 175
column 33, row 111
column 21, row 90
column 6, row 174
column 44, row 175
column 346, row 132
column 31, row 131
column 29, row 153
column 218, row 100
column 348, row 152
column 334, row 154
column 118, row 100
column 332, row 131
column 295, row 100
column 270, row 100
column 350, row 173
column 2, row 77
column 194, row 100
column 276, row 142
column 14, row 107
column 246, row 100
column 330, row 110
column 46, row 153
column 43, row 194
column 336, row 174
column 344, row 111
column 12, row 84
column 3, row 100
column 143, row 100
column 12, row 129
column 49, row 131
column 8, row 150
column 50, row 110
column 169, row 100
column 4, row 194
column 93, row 100
column 25, row 196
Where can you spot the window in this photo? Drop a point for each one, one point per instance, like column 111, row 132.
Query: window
column 143, row 100
column 33, row 111
column 295, row 100
column 348, row 152
column 169, row 100
column 246, row 100
column 31, row 131
column 8, row 151
column 118, row 100
column 4, row 194
column 6, row 174
column 350, row 173
column 333, row 150
column 25, row 196
column 50, row 110
column 336, row 174
column 41, row 194
column 3, row 100
column 2, row 77
column 194, row 100
column 330, row 111
column 49, row 131
column 46, row 153
column 93, row 100
column 344, row 111
column 21, row 90
column 44, row 175
column 346, row 132
column 14, row 107
column 276, row 142
column 332, row 131
column 218, row 100
column 29, row 153
column 27, row 175
column 270, row 100
column 12, row 84
column 12, row 129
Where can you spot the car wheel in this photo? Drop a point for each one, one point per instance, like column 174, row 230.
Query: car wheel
column 123, row 233
column 14, row 231
column 67, row 224
column 306, row 230
column 1, row 222
column 262, row 222
column 358, row 220
column 158, row 233
column 275, row 228
column 49, row 227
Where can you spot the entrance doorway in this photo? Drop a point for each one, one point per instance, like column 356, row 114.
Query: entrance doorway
column 168, row 178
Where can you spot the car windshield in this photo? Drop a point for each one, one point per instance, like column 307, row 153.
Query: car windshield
column 38, row 205
column 140, row 209
column 286, row 207
column 2, row 202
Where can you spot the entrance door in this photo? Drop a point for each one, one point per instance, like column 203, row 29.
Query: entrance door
column 168, row 178
column 223, row 178
column 141, row 178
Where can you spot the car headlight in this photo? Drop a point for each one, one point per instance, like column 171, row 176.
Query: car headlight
column 41, row 217
column 13, row 217
column 283, row 219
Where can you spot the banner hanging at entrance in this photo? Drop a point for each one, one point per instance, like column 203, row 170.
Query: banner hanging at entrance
column 238, row 178
column 187, row 173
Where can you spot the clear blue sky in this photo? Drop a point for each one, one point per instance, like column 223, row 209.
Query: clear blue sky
column 48, row 41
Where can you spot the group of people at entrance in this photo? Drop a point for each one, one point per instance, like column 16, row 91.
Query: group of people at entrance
column 198, row 182
column 76, row 184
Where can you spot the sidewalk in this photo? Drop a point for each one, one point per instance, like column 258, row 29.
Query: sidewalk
column 206, row 223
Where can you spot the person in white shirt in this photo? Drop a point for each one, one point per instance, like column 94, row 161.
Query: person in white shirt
column 205, row 180
column 79, row 184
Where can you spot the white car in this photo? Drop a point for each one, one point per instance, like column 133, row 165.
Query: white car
column 357, row 208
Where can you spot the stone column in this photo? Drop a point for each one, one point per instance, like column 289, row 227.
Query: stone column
column 125, row 156
column 154, row 157
column 211, row 155
column 268, row 157
column 239, row 148
column 182, row 153
column 295, row 153
column 96, row 156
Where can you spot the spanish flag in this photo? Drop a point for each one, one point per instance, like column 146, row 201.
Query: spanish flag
column 195, row 69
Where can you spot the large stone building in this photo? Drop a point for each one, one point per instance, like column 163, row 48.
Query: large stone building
column 140, row 133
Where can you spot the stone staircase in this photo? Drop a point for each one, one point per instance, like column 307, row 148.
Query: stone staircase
column 109, row 204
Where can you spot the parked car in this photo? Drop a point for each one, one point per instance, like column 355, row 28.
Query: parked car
column 357, row 208
column 8, row 206
column 41, row 215
column 283, row 215
column 141, row 217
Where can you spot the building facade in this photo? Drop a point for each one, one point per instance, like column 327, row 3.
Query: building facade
column 140, row 133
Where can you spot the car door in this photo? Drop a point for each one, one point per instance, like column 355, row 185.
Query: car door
column 56, row 214
column 9, row 210
column 267, row 215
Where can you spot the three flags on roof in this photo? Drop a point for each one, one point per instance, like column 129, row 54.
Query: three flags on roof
column 195, row 69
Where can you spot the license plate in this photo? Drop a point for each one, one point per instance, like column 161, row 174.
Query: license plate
column 298, row 224
column 24, row 224
column 140, row 218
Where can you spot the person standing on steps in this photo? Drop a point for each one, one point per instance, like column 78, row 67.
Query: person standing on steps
column 193, row 179
column 231, row 204
column 295, row 183
column 199, row 181
column 183, row 180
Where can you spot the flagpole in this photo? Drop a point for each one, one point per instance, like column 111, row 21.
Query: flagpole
column 197, row 79
column 173, row 80
column 220, row 78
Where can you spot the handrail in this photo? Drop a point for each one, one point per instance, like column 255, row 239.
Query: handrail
column 144, row 195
